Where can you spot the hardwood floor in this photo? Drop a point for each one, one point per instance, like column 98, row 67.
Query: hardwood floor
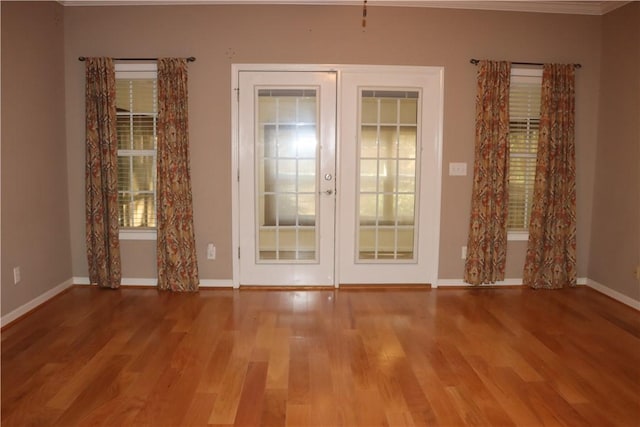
column 496, row 357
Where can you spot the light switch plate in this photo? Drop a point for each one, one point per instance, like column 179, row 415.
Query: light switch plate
column 457, row 169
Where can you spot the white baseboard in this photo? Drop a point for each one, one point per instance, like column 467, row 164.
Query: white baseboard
column 506, row 282
column 213, row 283
column 455, row 283
column 81, row 281
column 136, row 281
column 25, row 308
column 126, row 281
column 613, row 294
column 444, row 283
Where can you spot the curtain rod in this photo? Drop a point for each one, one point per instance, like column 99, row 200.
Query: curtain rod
column 189, row 59
column 475, row 62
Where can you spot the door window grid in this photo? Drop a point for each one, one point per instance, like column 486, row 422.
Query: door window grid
column 387, row 175
column 287, row 197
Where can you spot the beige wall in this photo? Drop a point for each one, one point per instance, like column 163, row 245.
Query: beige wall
column 221, row 35
column 615, row 246
column 35, row 210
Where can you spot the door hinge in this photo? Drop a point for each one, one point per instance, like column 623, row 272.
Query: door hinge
column 238, row 252
column 238, row 175
column 237, row 93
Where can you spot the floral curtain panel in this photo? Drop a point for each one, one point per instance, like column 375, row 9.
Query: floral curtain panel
column 177, row 261
column 101, row 185
column 551, row 252
column 487, row 244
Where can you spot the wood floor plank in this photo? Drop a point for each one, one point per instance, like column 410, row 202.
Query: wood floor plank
column 217, row 365
column 198, row 411
column 519, row 412
column 298, row 415
column 224, row 410
column 96, row 391
column 250, row 406
column 299, row 387
column 120, row 411
column 274, row 408
column 411, row 357
column 278, row 370
column 93, row 368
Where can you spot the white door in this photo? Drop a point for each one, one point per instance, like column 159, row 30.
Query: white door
column 390, row 157
column 383, row 227
column 287, row 129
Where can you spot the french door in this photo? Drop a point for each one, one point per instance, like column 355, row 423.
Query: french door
column 287, row 177
column 338, row 175
column 390, row 154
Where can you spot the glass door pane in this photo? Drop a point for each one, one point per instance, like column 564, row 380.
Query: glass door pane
column 286, row 167
column 387, row 175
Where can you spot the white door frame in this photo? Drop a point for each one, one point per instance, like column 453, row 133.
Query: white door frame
column 432, row 275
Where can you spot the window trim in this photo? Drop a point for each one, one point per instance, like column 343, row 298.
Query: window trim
column 517, row 236
column 142, row 234
column 147, row 70
column 517, row 71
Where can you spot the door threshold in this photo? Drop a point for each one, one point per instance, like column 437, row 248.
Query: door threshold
column 385, row 286
column 286, row 288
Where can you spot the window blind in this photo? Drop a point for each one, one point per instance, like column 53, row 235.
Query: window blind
column 524, row 128
column 137, row 113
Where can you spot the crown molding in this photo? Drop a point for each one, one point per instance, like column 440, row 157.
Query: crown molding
column 608, row 6
column 563, row 7
column 559, row 6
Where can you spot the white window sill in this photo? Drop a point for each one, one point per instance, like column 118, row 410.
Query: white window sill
column 517, row 236
column 133, row 234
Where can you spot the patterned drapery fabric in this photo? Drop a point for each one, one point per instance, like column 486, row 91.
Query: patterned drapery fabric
column 176, row 249
column 487, row 244
column 551, row 251
column 101, row 174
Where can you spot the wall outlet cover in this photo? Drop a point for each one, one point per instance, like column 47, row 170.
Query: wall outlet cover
column 211, row 251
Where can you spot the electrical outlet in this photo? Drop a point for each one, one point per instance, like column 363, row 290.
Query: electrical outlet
column 16, row 275
column 211, row 251
column 464, row 252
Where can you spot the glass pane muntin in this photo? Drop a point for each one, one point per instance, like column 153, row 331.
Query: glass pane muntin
column 387, row 174
column 287, row 147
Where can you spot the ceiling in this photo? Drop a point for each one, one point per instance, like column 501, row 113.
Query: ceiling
column 558, row 6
